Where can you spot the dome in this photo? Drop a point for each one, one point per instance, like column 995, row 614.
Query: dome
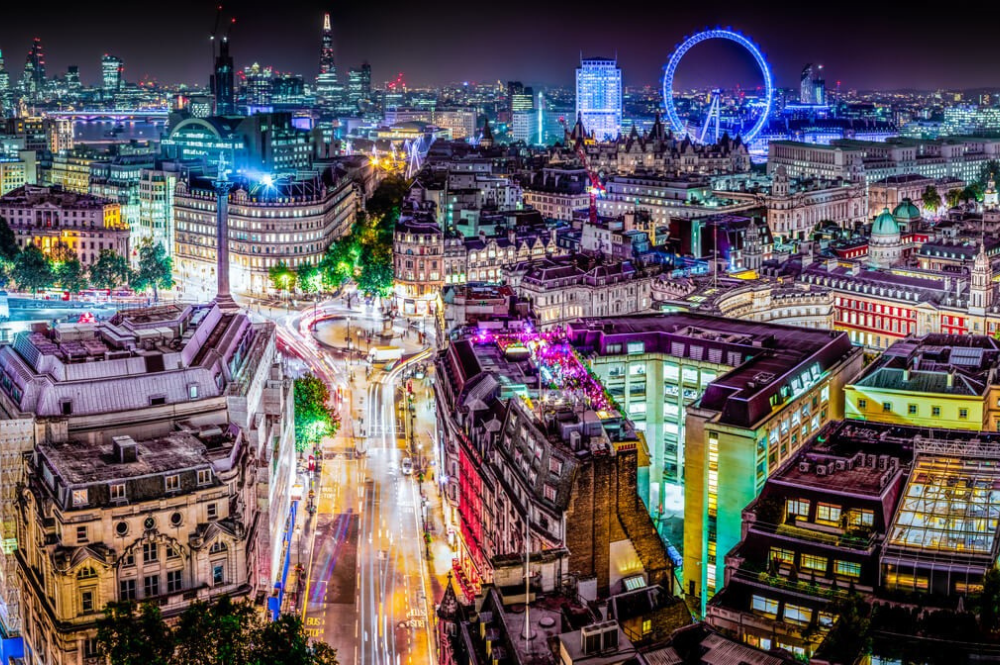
column 885, row 225
column 906, row 212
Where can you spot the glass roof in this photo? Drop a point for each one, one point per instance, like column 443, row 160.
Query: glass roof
column 950, row 505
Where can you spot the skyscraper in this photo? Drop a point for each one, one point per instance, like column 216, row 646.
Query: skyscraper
column 222, row 81
column 328, row 91
column 812, row 87
column 73, row 79
column 259, row 85
column 521, row 107
column 359, row 86
column 33, row 79
column 599, row 97
column 4, row 87
column 112, row 75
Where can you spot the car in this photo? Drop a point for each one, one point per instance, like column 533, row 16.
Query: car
column 407, row 466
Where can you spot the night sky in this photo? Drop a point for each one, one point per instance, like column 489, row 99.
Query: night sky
column 864, row 45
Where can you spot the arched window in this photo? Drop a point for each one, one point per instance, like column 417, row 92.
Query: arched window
column 217, row 546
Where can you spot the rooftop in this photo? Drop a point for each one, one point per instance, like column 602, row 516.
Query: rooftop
column 30, row 196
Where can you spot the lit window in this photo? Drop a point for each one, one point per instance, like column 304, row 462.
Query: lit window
column 798, row 507
column 117, row 491
column 861, row 518
column 797, row 614
column 204, row 476
column 173, row 483
column 782, row 555
column 766, row 606
column 80, row 497
column 826, row 512
column 813, row 562
column 847, row 568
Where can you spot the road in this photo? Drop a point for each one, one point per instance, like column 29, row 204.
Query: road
column 366, row 590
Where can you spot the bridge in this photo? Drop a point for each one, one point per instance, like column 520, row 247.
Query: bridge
column 118, row 116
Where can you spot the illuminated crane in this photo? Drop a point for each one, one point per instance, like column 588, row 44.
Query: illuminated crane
column 596, row 188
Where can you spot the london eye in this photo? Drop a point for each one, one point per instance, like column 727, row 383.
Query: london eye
column 714, row 112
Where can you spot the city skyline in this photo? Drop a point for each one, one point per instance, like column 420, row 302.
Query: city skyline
column 874, row 57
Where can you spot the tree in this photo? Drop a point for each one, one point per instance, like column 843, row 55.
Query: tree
column 282, row 277
column 987, row 172
column 313, row 419
column 953, row 197
column 851, row 636
column 389, row 195
column 340, row 263
column 127, row 638
column 974, row 192
column 32, row 270
column 225, row 633
column 156, row 269
column 931, row 199
column 71, row 275
column 110, row 270
column 8, row 242
column 307, row 276
column 377, row 275
column 989, row 602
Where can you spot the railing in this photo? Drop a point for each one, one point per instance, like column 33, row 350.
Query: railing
column 846, row 540
column 811, row 589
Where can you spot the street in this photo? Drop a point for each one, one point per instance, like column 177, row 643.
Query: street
column 366, row 587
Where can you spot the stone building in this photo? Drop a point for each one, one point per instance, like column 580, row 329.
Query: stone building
column 169, row 521
column 418, row 259
column 794, row 210
column 54, row 218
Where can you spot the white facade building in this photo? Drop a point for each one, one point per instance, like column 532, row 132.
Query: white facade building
column 599, row 97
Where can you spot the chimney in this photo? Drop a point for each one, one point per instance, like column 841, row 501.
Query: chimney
column 951, row 379
column 125, row 449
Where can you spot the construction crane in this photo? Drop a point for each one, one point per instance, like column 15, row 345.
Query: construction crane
column 596, row 188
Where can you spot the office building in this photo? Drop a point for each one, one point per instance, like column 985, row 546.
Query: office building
column 117, row 179
column 13, row 174
column 521, row 112
column 944, row 381
column 33, row 80
column 70, row 169
column 258, row 86
column 166, row 520
column 812, row 537
column 359, row 87
column 196, row 389
column 328, row 89
column 156, row 203
column 5, row 103
column 223, row 81
column 271, row 221
column 53, row 218
column 599, row 98
column 516, row 451
column 73, row 84
column 726, row 402
column 112, row 75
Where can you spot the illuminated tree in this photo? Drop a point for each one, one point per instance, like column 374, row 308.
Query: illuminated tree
column 931, row 199
column 32, row 270
column 156, row 269
column 111, row 270
column 282, row 277
column 313, row 419
column 307, row 276
column 71, row 275
column 953, row 197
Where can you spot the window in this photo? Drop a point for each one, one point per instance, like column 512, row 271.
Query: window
column 861, row 518
column 813, row 562
column 782, row 555
column 193, row 391
column 963, row 414
column 828, row 513
column 555, row 466
column 174, row 581
column 67, row 407
column 157, row 401
column 935, row 411
column 149, row 552
column 80, row 497
column 647, row 626
column 128, row 560
column 90, row 648
column 766, row 606
column 87, row 573
column 173, row 483
column 217, row 546
column 798, row 507
column 81, row 534
column 172, row 553
column 219, row 574
column 862, row 404
column 126, row 590
column 911, row 409
column 117, row 491
column 847, row 568
column 213, row 511
column 151, row 586
column 204, row 476
column 826, row 619
column 886, row 407
column 797, row 614
column 87, row 602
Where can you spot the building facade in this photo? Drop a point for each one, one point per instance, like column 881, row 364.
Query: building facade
column 270, row 222
column 794, row 211
column 55, row 219
column 419, row 261
column 599, row 97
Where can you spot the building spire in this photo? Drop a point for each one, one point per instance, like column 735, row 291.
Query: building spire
column 326, row 22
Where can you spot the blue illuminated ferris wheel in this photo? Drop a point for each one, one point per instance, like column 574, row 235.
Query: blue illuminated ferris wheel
column 680, row 127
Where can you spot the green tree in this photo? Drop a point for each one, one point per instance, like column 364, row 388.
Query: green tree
column 340, row 263
column 125, row 637
column 989, row 171
column 931, row 199
column 282, row 277
column 850, row 637
column 284, row 641
column 377, row 275
column 217, row 634
column 110, row 270
column 307, row 277
column 33, row 270
column 989, row 602
column 8, row 242
column 974, row 192
column 156, row 269
column 71, row 275
column 388, row 196
column 953, row 197
column 313, row 419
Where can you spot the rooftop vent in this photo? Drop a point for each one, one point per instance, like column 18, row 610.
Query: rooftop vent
column 125, row 449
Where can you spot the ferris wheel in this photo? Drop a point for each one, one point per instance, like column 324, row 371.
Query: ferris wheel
column 714, row 111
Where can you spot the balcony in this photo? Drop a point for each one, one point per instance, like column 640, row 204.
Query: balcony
column 858, row 540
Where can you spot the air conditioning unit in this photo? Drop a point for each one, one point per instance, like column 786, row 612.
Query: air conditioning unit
column 820, row 469
column 841, row 465
column 805, row 467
